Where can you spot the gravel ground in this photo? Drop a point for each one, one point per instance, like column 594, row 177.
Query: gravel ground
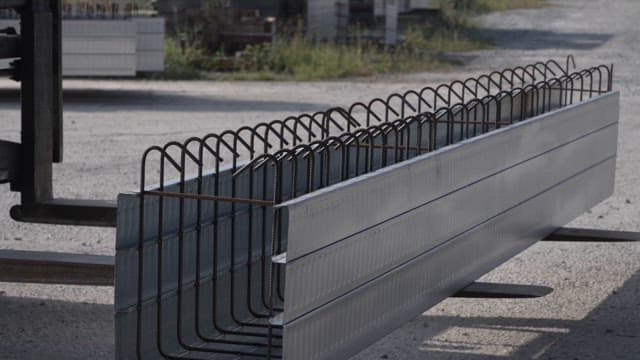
column 594, row 312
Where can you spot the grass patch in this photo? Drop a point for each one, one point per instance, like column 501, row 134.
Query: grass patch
column 502, row 5
column 298, row 57
column 183, row 62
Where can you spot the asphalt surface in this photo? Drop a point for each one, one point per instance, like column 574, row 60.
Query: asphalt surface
column 594, row 312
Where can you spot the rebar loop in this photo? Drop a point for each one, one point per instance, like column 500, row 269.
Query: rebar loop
column 206, row 281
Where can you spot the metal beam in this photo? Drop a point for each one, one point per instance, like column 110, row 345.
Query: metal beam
column 592, row 235
column 68, row 212
column 483, row 290
column 556, row 129
column 56, row 83
column 411, row 234
column 410, row 289
column 38, row 109
column 56, row 268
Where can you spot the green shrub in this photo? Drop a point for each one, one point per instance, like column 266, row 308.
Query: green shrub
column 496, row 5
column 182, row 63
column 295, row 56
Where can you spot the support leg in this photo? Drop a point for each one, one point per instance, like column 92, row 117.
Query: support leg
column 483, row 290
column 592, row 235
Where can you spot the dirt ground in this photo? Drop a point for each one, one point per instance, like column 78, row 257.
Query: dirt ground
column 594, row 312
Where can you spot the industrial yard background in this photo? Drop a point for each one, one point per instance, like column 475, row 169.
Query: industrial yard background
column 594, row 312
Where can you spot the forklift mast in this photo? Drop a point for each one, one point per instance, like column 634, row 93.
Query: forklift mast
column 27, row 166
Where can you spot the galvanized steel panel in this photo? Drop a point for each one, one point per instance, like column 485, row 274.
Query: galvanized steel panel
column 317, row 278
column 347, row 325
column 146, row 25
column 80, row 45
column 99, row 48
column 149, row 44
column 353, row 207
column 110, row 47
column 150, row 60
column 161, row 322
column 99, row 28
column 96, row 64
column 351, row 236
column 587, row 136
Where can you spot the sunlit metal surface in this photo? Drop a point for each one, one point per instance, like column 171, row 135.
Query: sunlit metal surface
column 410, row 235
column 217, row 256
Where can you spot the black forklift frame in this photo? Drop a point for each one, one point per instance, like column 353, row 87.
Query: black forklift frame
column 28, row 166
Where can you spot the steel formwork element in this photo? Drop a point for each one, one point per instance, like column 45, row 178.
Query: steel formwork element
column 250, row 243
column 403, row 251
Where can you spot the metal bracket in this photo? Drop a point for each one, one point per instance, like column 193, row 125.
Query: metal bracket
column 483, row 290
column 592, row 235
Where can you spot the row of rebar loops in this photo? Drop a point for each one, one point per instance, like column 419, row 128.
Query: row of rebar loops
column 187, row 152
column 309, row 139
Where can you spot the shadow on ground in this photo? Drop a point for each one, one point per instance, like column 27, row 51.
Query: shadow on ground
column 34, row 329
column 30, row 328
column 528, row 39
column 610, row 331
column 125, row 100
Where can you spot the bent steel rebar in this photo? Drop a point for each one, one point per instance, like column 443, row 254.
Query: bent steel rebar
column 280, row 240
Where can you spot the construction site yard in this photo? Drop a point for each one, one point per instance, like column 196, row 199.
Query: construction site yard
column 593, row 312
